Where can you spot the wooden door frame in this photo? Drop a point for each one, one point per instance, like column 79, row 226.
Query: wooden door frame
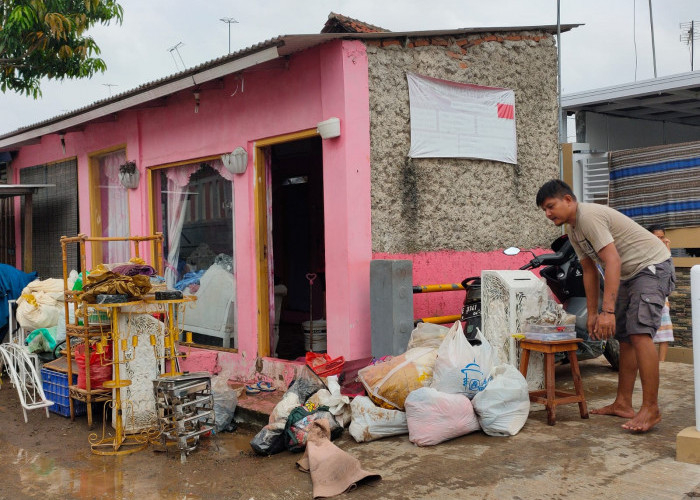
column 260, row 231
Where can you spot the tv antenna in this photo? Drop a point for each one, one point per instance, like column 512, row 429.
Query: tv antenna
column 229, row 21
column 175, row 48
column 109, row 86
column 689, row 33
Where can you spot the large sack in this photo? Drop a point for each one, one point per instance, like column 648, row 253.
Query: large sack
column 369, row 422
column 427, row 335
column 434, row 417
column 461, row 367
column 388, row 383
column 503, row 407
column 38, row 310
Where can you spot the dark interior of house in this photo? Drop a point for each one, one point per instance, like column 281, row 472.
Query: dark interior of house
column 297, row 241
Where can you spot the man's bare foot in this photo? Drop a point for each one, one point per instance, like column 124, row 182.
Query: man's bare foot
column 645, row 419
column 616, row 410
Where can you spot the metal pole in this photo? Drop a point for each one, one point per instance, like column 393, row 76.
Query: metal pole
column 692, row 44
column 653, row 47
column 229, row 37
column 560, row 121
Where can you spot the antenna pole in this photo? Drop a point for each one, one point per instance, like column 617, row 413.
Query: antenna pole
column 229, row 21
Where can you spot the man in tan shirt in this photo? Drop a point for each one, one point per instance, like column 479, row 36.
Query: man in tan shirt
column 638, row 275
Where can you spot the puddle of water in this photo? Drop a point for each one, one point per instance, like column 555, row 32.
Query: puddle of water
column 81, row 475
column 39, row 475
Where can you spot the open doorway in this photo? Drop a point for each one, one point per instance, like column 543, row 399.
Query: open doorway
column 298, row 243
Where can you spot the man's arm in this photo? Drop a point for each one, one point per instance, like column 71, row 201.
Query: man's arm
column 605, row 326
column 591, row 284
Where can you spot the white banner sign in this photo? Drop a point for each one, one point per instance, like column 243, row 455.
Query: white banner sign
column 459, row 120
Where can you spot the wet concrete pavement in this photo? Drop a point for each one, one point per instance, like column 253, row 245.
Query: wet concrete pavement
column 576, row 458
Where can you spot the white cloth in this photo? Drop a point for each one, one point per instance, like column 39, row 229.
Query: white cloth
column 458, row 120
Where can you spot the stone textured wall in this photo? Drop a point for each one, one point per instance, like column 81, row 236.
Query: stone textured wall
column 681, row 310
column 462, row 204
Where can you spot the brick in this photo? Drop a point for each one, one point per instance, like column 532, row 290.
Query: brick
column 514, row 38
column 438, row 41
column 454, row 54
column 490, row 38
column 374, row 43
column 389, row 43
column 463, row 65
column 421, row 42
column 462, row 42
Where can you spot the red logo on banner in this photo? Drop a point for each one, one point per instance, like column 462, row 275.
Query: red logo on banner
column 506, row 111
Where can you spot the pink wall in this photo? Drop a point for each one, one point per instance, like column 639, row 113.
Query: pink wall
column 346, row 172
column 282, row 97
column 432, row 268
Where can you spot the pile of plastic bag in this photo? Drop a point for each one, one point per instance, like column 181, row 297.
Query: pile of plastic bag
column 442, row 387
column 307, row 399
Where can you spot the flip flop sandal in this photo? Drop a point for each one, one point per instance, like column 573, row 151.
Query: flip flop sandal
column 265, row 387
column 251, row 389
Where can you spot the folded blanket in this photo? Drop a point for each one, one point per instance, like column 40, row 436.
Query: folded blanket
column 332, row 470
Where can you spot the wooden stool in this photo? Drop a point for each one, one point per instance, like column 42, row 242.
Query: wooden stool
column 549, row 396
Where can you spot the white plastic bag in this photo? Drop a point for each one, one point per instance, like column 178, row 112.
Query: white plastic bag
column 427, row 335
column 503, row 407
column 38, row 310
column 461, row 367
column 434, row 417
column 369, row 422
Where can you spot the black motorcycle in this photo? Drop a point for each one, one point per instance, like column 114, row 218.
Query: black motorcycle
column 564, row 276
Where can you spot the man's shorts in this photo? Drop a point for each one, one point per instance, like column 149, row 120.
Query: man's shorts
column 640, row 300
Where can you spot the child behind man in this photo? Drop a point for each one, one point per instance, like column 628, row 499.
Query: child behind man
column 664, row 334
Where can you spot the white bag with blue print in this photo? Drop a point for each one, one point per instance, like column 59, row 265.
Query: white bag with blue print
column 462, row 368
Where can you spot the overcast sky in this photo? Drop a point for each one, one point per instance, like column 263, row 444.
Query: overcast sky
column 599, row 54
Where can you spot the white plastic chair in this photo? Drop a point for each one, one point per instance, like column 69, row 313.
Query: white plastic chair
column 24, row 377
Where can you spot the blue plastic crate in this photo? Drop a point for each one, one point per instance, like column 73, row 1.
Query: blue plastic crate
column 56, row 390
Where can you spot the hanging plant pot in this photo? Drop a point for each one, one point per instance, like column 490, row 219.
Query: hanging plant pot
column 129, row 175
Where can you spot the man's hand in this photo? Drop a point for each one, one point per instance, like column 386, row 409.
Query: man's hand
column 604, row 326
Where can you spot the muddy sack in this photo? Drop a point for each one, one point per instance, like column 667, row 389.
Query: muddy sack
column 388, row 383
column 369, row 422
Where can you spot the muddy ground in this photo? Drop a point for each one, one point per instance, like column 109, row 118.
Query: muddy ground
column 576, row 458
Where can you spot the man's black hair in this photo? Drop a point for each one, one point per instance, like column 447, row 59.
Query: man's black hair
column 554, row 188
column 657, row 227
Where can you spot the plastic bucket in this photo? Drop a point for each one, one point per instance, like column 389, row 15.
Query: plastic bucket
column 318, row 336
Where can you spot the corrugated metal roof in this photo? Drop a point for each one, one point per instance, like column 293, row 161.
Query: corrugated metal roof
column 284, row 45
column 673, row 98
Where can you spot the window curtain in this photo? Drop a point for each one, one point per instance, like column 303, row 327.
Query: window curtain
column 114, row 209
column 178, row 179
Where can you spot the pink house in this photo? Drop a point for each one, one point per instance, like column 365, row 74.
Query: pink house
column 255, row 197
